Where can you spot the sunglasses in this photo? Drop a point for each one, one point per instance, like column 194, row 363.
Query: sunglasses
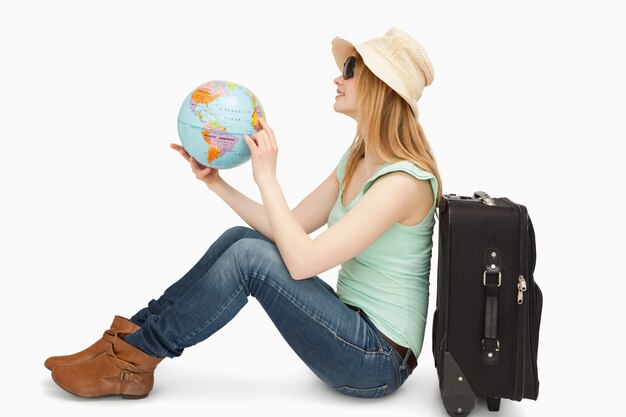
column 348, row 67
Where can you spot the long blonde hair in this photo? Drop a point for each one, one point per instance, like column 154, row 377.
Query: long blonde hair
column 386, row 123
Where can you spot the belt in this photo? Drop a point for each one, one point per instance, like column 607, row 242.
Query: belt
column 411, row 363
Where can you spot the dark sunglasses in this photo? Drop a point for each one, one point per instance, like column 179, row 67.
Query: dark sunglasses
column 348, row 67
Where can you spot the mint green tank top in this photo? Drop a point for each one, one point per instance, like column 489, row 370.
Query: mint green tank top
column 389, row 280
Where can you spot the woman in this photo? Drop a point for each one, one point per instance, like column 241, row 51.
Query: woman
column 379, row 203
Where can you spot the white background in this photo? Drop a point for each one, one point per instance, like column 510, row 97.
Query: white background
column 99, row 215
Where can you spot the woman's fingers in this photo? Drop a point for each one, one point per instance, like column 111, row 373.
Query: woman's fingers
column 200, row 171
column 260, row 140
column 206, row 171
column 180, row 150
column 194, row 164
column 251, row 143
column 265, row 125
column 271, row 139
column 197, row 169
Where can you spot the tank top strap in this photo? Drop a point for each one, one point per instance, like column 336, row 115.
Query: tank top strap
column 407, row 167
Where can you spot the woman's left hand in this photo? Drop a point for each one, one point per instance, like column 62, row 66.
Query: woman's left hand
column 264, row 151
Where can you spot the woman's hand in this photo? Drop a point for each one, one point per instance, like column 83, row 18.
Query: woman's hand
column 264, row 152
column 207, row 175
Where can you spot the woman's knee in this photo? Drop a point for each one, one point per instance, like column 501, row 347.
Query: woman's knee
column 236, row 233
column 256, row 251
column 260, row 258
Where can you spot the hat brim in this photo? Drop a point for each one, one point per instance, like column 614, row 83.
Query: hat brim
column 342, row 49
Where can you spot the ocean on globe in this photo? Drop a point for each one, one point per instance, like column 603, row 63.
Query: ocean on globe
column 212, row 121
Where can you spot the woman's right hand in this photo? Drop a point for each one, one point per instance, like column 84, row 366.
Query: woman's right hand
column 207, row 175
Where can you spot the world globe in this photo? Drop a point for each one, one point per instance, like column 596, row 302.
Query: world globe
column 212, row 121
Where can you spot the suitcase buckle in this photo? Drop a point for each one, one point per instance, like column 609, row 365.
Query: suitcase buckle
column 485, row 278
column 497, row 347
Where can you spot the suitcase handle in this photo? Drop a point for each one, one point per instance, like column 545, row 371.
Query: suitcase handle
column 484, row 198
column 490, row 342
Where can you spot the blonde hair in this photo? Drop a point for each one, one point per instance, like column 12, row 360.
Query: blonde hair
column 387, row 125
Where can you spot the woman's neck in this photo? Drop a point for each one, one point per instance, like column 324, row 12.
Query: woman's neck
column 372, row 162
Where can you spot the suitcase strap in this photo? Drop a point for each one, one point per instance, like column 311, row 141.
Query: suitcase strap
column 492, row 279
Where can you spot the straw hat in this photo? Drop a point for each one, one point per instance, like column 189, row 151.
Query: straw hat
column 396, row 58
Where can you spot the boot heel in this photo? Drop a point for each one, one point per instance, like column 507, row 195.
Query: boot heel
column 133, row 397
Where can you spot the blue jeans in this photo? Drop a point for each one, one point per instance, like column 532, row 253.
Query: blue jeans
column 340, row 345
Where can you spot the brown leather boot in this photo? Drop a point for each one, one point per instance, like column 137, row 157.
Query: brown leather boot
column 121, row 370
column 120, row 324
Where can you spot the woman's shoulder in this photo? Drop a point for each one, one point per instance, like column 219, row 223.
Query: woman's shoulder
column 421, row 182
column 401, row 169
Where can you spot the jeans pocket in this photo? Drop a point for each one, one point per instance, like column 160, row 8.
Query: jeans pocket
column 375, row 392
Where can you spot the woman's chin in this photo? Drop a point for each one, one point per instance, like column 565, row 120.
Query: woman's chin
column 337, row 107
column 351, row 115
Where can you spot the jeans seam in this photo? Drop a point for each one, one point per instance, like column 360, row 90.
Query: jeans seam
column 293, row 301
column 382, row 388
column 397, row 366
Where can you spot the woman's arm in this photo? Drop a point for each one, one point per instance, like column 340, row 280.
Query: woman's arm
column 391, row 199
column 311, row 213
column 249, row 210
